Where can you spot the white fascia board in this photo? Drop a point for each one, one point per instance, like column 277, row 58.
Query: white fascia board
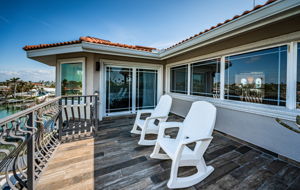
column 113, row 50
column 251, row 18
column 54, row 50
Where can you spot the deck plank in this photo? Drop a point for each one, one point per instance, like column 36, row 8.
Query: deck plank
column 114, row 160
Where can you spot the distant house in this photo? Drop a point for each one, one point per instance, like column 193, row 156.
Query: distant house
column 260, row 47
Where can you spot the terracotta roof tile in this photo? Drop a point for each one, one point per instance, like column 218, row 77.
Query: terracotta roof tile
column 226, row 21
column 90, row 40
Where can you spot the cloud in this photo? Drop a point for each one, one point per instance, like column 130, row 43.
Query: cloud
column 29, row 75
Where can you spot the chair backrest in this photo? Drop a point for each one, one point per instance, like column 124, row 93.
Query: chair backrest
column 200, row 120
column 163, row 107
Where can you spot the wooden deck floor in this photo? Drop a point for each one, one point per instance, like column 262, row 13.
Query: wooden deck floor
column 113, row 160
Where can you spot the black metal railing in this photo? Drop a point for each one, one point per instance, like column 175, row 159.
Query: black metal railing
column 29, row 138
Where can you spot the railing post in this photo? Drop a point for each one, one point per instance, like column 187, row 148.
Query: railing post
column 30, row 155
column 96, row 112
column 60, row 121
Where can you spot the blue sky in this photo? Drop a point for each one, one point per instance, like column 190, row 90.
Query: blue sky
column 154, row 23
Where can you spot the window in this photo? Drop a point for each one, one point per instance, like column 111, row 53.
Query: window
column 179, row 79
column 258, row 77
column 71, row 78
column 146, row 91
column 298, row 76
column 205, row 78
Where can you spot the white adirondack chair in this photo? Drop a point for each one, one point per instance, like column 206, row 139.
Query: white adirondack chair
column 196, row 128
column 148, row 126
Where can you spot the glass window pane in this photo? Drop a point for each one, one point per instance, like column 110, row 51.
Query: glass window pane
column 298, row 76
column 118, row 89
column 258, row 77
column 179, row 79
column 71, row 79
column 205, row 78
column 146, row 92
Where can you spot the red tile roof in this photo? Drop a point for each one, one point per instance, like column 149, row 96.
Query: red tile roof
column 226, row 21
column 136, row 47
column 90, row 40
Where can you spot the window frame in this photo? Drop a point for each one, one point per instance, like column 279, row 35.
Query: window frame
column 218, row 67
column 60, row 62
column 187, row 82
column 287, row 112
column 256, row 50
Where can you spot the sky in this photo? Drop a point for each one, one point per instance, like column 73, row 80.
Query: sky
column 154, row 23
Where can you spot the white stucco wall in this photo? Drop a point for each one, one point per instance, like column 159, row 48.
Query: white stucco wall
column 259, row 130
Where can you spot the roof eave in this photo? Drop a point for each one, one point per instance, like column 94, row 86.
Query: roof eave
column 114, row 50
column 91, row 48
column 234, row 27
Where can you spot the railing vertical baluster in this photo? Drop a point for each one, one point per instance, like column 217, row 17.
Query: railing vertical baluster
column 85, row 109
column 60, row 119
column 78, row 108
column 72, row 108
column 66, row 112
column 30, row 155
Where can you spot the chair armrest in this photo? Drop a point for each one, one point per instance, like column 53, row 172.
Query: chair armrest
column 153, row 118
column 167, row 125
column 140, row 112
column 144, row 111
column 189, row 141
column 183, row 143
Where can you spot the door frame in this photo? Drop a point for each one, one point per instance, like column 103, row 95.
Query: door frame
column 104, row 63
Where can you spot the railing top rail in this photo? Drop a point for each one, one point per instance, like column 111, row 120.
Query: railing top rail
column 27, row 111
column 36, row 107
column 76, row 96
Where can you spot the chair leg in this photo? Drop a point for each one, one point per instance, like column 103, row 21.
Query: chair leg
column 156, row 155
column 182, row 182
column 134, row 129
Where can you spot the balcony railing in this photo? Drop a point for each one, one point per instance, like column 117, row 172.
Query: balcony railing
column 29, row 138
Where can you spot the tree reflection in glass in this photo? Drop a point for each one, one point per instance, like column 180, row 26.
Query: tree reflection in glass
column 258, row 77
column 71, row 77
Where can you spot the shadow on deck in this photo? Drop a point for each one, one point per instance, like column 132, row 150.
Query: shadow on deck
column 114, row 160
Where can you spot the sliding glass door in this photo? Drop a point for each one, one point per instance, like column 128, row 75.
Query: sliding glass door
column 118, row 89
column 130, row 89
column 146, row 95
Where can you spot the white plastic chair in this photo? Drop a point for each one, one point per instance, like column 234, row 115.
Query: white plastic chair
column 148, row 126
column 196, row 128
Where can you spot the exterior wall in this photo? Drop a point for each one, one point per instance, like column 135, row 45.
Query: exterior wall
column 259, row 130
column 92, row 81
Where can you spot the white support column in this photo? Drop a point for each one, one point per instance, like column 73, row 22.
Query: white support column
column 134, row 88
column 102, row 91
column 189, row 80
column 57, row 79
column 291, row 88
column 222, row 78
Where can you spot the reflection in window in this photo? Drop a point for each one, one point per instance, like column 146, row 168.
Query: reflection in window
column 205, row 78
column 71, row 79
column 146, row 94
column 298, row 76
column 179, row 79
column 118, row 89
column 258, row 77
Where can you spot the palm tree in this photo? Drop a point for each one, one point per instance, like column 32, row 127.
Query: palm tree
column 15, row 81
